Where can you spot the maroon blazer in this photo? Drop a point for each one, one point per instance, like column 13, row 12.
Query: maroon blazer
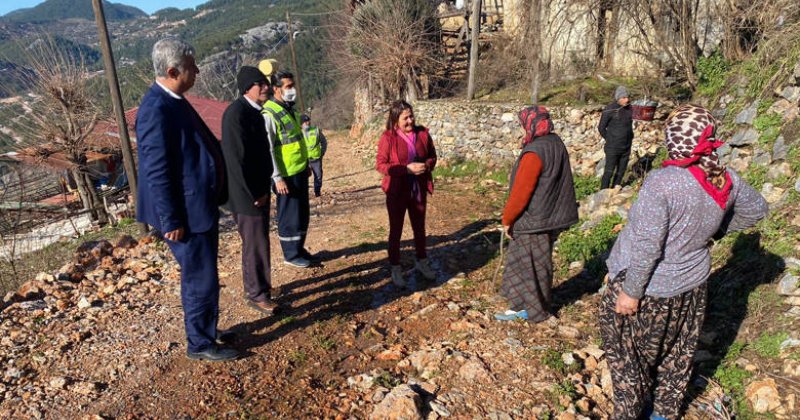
column 392, row 159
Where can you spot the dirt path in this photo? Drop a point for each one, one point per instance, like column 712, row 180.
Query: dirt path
column 343, row 319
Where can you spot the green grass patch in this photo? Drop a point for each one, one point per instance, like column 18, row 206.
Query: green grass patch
column 730, row 376
column 756, row 176
column 585, row 186
column 564, row 388
column 552, row 360
column 324, row 342
column 769, row 345
column 471, row 169
column 712, row 72
column 769, row 125
column 777, row 234
column 579, row 245
column 287, row 320
column 298, row 357
column 386, row 380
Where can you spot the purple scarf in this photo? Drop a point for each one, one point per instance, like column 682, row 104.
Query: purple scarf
column 411, row 141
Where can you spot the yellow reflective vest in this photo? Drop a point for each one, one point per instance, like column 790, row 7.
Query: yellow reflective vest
column 312, row 144
column 291, row 153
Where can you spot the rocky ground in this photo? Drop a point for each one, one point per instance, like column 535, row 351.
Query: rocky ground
column 102, row 337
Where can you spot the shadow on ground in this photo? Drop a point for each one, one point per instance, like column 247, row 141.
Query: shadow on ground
column 731, row 290
column 361, row 287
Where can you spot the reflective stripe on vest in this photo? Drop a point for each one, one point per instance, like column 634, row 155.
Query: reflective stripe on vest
column 313, row 144
column 292, row 156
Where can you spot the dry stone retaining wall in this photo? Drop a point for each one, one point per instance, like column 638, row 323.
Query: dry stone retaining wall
column 490, row 132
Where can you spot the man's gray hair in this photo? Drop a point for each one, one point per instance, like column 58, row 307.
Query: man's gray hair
column 170, row 52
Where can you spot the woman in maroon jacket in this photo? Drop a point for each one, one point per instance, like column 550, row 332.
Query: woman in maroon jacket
column 406, row 158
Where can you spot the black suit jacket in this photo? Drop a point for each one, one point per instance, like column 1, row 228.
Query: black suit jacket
column 247, row 157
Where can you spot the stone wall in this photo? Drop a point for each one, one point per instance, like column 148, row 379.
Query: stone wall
column 490, row 132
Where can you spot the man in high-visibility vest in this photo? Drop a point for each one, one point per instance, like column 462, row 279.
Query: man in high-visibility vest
column 290, row 176
column 317, row 145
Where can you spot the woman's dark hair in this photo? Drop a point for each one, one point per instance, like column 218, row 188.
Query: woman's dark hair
column 395, row 110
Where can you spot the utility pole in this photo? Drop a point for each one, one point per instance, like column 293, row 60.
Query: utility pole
column 473, row 50
column 294, row 61
column 116, row 97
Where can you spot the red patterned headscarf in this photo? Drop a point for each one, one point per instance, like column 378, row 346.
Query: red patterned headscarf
column 536, row 122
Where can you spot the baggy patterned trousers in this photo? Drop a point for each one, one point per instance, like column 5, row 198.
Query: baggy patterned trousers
column 650, row 353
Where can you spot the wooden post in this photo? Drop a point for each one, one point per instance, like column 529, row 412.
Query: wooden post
column 116, row 97
column 294, row 61
column 473, row 51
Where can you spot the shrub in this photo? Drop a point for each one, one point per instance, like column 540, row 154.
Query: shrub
column 579, row 245
column 712, row 74
column 769, row 125
column 586, row 186
column 769, row 345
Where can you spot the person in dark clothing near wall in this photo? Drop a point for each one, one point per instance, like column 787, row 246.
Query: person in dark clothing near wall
column 616, row 127
column 540, row 205
column 244, row 143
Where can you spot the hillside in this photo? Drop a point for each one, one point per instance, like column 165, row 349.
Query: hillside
column 220, row 30
column 52, row 10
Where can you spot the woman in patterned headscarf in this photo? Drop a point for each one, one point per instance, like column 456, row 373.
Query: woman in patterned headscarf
column 653, row 308
column 540, row 205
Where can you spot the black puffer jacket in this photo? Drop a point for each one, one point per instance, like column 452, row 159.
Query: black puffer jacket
column 616, row 126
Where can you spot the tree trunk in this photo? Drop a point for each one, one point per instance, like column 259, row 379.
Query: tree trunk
column 536, row 48
column 474, row 48
column 88, row 196
column 602, row 31
column 611, row 36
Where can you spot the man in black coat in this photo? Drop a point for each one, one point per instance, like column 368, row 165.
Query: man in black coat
column 616, row 127
column 246, row 150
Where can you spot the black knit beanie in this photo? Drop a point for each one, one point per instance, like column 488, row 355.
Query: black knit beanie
column 247, row 77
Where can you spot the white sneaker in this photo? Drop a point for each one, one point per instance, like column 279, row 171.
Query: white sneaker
column 424, row 267
column 397, row 276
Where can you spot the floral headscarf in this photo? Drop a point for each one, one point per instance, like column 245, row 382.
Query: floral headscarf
column 536, row 122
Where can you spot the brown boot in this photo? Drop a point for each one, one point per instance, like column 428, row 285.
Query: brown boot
column 267, row 307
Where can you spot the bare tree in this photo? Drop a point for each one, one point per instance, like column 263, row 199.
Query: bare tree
column 64, row 116
column 393, row 43
column 746, row 23
column 217, row 80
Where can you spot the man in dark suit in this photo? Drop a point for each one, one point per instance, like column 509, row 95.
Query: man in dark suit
column 182, row 184
column 246, row 150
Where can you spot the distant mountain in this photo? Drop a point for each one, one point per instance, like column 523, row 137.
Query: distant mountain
column 52, row 10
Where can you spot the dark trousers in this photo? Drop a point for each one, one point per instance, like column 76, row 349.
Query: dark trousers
column 197, row 255
column 293, row 216
column 316, row 168
column 397, row 205
column 616, row 164
column 254, row 231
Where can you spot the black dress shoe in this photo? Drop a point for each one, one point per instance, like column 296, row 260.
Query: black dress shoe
column 215, row 354
column 225, row 337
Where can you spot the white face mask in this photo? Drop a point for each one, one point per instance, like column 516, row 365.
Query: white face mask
column 289, row 95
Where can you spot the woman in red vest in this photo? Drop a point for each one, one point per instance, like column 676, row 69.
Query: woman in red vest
column 406, row 158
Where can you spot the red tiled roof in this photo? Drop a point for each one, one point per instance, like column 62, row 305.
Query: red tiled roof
column 210, row 111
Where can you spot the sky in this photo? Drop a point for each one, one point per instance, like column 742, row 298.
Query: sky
column 148, row 6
